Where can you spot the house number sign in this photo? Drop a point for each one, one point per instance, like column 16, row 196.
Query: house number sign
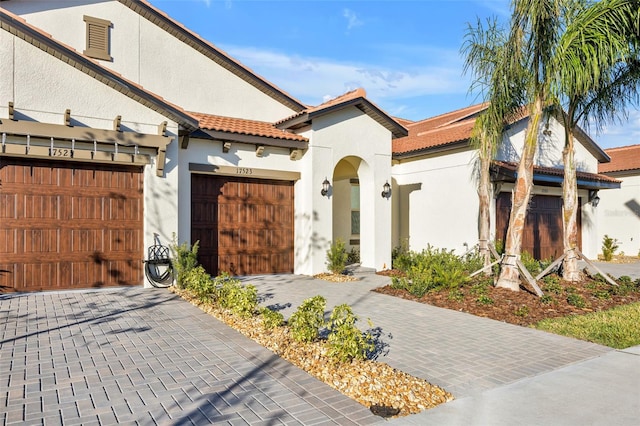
column 244, row 171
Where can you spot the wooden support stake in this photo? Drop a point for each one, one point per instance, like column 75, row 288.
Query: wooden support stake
column 493, row 250
column 484, row 268
column 529, row 278
column 606, row 276
column 550, row 267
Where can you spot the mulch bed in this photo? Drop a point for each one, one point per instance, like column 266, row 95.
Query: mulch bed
column 522, row 307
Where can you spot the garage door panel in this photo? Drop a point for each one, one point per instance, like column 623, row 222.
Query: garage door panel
column 543, row 234
column 243, row 224
column 67, row 227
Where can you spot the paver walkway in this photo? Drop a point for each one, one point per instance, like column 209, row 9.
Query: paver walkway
column 144, row 356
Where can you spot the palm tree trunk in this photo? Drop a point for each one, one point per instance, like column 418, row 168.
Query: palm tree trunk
column 484, row 219
column 570, row 270
column 509, row 275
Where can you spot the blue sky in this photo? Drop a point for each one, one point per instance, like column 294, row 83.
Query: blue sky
column 404, row 53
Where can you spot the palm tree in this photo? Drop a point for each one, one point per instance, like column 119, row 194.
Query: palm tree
column 535, row 31
column 486, row 51
column 597, row 74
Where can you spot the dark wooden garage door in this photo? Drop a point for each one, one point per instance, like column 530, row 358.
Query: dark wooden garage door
column 69, row 225
column 543, row 227
column 245, row 226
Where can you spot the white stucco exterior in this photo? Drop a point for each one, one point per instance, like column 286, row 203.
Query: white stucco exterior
column 618, row 214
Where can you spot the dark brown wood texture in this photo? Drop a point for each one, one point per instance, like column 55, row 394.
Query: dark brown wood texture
column 543, row 226
column 69, row 225
column 245, row 226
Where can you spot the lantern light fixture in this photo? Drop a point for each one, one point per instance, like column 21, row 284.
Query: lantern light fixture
column 325, row 188
column 386, row 190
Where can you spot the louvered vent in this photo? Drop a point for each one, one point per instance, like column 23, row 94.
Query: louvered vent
column 97, row 38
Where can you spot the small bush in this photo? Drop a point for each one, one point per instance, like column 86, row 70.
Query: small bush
column 499, row 245
column 456, row 294
column 521, row 311
column 353, row 256
column 529, row 262
column 185, row 258
column 609, row 247
column 602, row 294
column 232, row 295
column 271, row 319
column 547, row 299
column 483, row 299
column 308, row 319
column 337, row 257
column 198, row 281
column 345, row 340
column 480, row 288
column 551, row 284
column 576, row 300
column 401, row 257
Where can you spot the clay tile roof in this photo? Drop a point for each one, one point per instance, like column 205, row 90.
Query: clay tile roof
column 622, row 159
column 244, row 127
column 349, row 96
column 554, row 171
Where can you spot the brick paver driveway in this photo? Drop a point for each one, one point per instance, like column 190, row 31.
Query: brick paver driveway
column 144, row 356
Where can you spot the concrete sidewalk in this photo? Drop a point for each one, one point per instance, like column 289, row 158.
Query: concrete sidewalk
column 143, row 356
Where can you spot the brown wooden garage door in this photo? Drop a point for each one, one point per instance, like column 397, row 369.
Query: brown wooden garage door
column 543, row 227
column 69, row 225
column 245, row 226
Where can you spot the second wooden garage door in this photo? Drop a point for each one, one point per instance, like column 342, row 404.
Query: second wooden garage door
column 543, row 226
column 245, row 226
column 69, row 225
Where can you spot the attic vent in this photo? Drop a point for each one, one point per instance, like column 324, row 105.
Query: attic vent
column 97, row 38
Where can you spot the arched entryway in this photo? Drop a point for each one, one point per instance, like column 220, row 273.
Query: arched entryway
column 353, row 215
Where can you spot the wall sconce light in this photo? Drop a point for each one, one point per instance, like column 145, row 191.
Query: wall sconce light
column 325, row 187
column 386, row 190
column 593, row 198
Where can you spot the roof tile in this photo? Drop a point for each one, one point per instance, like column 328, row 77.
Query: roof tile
column 244, row 127
column 622, row 159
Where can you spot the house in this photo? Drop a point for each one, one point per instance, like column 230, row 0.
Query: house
column 119, row 124
column 619, row 211
column 435, row 184
column 121, row 127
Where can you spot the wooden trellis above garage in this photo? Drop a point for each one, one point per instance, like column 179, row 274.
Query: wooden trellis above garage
column 21, row 138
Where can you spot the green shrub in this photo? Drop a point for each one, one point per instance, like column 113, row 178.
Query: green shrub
column 483, row 299
column 401, row 257
column 337, row 257
column 456, row 294
column 551, row 284
column 353, row 256
column 308, row 319
column 499, row 245
column 434, row 269
column 547, row 299
column 609, row 247
column 232, row 295
column 529, row 262
column 521, row 311
column 345, row 340
column 576, row 300
column 602, row 294
column 185, row 258
column 271, row 319
column 480, row 288
column 198, row 281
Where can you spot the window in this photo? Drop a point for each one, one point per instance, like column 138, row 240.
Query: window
column 98, row 41
column 355, row 207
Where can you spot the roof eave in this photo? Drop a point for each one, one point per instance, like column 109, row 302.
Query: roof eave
column 154, row 15
column 102, row 74
column 449, row 146
column 253, row 139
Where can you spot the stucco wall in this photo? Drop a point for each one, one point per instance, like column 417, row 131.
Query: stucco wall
column 148, row 55
column 437, row 201
column 92, row 105
column 549, row 149
column 619, row 215
column 351, row 134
